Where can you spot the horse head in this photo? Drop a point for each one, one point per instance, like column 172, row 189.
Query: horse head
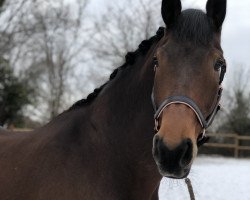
column 189, row 70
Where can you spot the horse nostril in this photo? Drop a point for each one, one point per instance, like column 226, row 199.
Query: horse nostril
column 187, row 153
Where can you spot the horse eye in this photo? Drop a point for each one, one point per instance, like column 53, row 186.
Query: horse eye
column 219, row 64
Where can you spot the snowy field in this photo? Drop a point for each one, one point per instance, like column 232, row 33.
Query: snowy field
column 213, row 178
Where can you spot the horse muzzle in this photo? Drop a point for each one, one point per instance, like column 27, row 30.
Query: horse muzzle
column 173, row 163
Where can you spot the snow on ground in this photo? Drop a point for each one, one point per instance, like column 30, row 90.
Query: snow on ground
column 213, row 178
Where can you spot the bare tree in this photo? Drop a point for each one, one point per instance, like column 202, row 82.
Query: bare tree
column 1, row 3
column 47, row 45
column 122, row 27
column 10, row 11
column 236, row 114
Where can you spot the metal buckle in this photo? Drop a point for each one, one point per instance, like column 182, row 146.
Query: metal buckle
column 155, row 67
column 203, row 135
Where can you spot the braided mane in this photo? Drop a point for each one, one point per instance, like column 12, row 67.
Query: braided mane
column 130, row 59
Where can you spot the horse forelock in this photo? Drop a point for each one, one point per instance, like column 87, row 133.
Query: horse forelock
column 193, row 26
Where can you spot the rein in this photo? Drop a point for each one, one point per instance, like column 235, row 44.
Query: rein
column 190, row 188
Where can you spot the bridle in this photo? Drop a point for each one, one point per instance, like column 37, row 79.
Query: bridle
column 204, row 121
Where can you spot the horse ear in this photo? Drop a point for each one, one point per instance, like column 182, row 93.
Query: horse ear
column 216, row 10
column 170, row 10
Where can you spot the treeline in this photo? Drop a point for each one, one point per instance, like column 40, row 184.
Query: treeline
column 53, row 53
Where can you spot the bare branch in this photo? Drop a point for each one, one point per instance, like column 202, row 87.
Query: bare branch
column 46, row 42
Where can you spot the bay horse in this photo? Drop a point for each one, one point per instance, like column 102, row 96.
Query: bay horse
column 144, row 123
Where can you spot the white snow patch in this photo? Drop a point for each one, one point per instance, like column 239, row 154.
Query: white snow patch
column 213, row 178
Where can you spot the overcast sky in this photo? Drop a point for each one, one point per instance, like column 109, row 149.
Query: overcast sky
column 236, row 29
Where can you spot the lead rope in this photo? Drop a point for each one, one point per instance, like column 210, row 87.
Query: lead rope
column 190, row 188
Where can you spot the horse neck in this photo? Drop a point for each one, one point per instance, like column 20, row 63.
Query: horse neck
column 124, row 106
column 122, row 118
column 123, row 112
column 116, row 130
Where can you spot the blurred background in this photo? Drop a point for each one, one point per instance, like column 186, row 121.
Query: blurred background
column 53, row 53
